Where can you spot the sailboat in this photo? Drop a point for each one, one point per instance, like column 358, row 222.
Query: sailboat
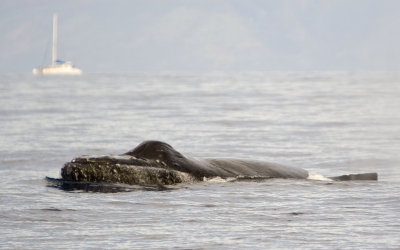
column 57, row 67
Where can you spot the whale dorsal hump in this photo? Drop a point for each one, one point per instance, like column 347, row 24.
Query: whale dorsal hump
column 155, row 150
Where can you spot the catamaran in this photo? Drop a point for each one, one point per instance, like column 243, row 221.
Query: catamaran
column 57, row 67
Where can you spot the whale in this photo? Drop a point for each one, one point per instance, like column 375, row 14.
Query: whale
column 158, row 163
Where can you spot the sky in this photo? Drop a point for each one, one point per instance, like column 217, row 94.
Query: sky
column 122, row 36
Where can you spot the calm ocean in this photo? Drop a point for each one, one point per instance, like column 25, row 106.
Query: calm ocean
column 330, row 123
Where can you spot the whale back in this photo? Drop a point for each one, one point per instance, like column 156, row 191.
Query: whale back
column 167, row 156
column 253, row 168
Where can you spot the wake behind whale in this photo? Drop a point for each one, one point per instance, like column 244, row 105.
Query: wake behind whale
column 158, row 163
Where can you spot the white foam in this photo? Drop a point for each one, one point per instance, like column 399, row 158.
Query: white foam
column 318, row 177
column 218, row 179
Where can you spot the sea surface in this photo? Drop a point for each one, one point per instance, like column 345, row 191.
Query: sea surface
column 330, row 123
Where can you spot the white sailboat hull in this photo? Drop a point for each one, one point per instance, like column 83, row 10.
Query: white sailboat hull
column 58, row 69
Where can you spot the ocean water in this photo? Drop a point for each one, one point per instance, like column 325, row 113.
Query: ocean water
column 330, row 123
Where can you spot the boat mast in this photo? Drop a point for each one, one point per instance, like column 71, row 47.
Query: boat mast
column 54, row 51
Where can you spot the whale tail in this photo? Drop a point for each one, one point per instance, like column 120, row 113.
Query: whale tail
column 356, row 177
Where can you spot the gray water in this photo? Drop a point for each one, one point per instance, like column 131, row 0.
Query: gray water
column 329, row 123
